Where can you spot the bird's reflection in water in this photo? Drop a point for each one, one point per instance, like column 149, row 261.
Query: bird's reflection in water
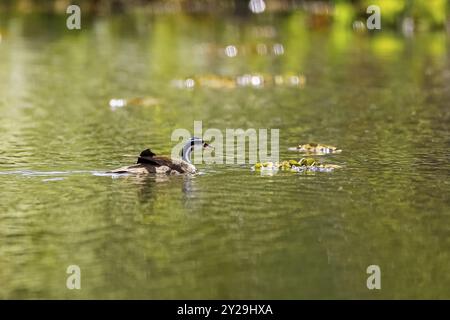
column 190, row 192
column 152, row 189
column 188, row 187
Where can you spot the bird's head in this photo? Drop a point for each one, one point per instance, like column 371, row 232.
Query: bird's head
column 193, row 144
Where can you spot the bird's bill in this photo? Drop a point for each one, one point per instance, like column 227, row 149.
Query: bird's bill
column 207, row 146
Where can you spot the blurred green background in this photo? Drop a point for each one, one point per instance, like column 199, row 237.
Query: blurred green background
column 427, row 14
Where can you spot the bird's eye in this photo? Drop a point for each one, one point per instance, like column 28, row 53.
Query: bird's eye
column 205, row 145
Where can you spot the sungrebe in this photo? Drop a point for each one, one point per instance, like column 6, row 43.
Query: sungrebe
column 149, row 163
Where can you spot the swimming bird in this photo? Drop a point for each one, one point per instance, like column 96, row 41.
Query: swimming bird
column 148, row 162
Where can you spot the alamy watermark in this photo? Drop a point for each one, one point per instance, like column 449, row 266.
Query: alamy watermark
column 74, row 280
column 231, row 147
column 374, row 20
column 74, row 20
column 374, row 280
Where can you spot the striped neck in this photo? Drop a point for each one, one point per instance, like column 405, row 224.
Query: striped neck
column 186, row 153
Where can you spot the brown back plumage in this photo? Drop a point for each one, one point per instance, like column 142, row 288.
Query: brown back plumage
column 147, row 157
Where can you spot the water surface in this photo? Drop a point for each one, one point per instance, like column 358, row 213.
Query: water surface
column 228, row 232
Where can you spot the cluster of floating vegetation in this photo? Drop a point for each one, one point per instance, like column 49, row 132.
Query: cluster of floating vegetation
column 304, row 164
column 246, row 80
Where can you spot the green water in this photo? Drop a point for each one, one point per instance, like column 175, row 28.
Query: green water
column 228, row 232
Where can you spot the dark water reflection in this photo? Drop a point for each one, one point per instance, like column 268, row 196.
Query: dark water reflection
column 227, row 233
